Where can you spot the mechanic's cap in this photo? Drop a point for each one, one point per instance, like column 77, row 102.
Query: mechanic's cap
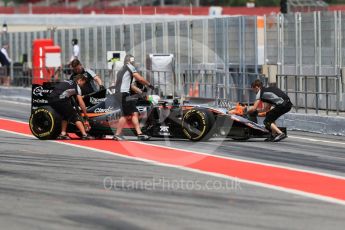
column 129, row 58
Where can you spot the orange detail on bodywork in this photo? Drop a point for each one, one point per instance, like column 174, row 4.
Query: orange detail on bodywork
column 262, row 114
column 238, row 110
column 95, row 114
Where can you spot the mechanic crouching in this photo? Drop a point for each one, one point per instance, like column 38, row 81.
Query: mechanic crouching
column 60, row 100
column 129, row 110
column 276, row 104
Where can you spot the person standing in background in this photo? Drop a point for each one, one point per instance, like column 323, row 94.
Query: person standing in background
column 76, row 50
column 5, row 61
column 67, row 69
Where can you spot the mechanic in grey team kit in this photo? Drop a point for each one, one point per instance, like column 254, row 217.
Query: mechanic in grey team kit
column 129, row 110
column 60, row 100
column 91, row 79
column 276, row 103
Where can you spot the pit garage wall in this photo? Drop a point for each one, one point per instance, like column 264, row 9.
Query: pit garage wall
column 333, row 125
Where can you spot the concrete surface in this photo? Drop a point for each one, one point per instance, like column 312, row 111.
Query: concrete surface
column 46, row 185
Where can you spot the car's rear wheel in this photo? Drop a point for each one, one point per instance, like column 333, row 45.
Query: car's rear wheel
column 197, row 124
column 45, row 123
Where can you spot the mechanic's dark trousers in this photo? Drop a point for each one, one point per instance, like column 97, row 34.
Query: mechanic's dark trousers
column 276, row 112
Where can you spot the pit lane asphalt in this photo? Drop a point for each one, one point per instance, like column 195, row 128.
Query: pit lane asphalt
column 45, row 185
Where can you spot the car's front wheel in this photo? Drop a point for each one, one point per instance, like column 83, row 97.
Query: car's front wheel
column 198, row 124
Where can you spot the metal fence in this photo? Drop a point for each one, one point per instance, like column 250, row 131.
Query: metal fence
column 201, row 43
column 306, row 44
column 228, row 51
column 312, row 93
column 234, row 86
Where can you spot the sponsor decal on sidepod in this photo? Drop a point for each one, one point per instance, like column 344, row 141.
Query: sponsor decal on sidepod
column 100, row 110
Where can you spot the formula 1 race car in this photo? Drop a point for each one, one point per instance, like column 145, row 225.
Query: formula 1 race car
column 165, row 118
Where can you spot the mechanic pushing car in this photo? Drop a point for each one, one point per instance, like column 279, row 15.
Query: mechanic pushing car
column 91, row 79
column 276, row 104
column 60, row 100
column 129, row 110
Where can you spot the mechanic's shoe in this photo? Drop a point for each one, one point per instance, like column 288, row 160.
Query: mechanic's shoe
column 270, row 138
column 63, row 137
column 280, row 137
column 143, row 137
column 87, row 137
column 119, row 138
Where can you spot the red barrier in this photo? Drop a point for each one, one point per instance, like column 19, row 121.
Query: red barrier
column 55, row 10
column 44, row 57
column 7, row 10
column 250, row 11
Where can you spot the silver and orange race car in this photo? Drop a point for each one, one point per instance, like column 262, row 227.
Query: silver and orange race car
column 170, row 118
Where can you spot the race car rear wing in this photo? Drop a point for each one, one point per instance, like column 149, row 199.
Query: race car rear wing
column 40, row 93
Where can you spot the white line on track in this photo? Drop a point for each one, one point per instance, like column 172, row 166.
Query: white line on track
column 15, row 102
column 7, row 119
column 267, row 186
column 317, row 140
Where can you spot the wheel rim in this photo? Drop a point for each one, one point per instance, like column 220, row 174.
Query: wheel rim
column 195, row 126
column 41, row 123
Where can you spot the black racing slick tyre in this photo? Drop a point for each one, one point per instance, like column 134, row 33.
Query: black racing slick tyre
column 197, row 124
column 45, row 123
